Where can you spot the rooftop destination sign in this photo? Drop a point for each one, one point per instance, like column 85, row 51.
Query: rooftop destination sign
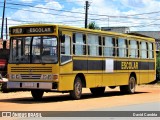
column 32, row 30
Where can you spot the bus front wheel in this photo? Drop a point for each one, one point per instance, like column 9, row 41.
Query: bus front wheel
column 97, row 91
column 77, row 89
column 37, row 94
column 130, row 88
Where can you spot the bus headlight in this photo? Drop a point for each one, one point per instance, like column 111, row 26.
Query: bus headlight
column 18, row 76
column 15, row 76
column 12, row 76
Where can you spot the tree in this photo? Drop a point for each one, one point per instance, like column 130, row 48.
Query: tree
column 94, row 26
column 158, row 59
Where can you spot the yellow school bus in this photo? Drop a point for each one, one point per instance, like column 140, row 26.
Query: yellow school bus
column 58, row 58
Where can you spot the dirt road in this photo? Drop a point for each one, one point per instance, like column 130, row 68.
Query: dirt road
column 22, row 101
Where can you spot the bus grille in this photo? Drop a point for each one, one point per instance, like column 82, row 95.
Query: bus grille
column 31, row 69
column 30, row 76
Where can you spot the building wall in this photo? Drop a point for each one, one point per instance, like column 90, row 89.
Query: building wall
column 116, row 29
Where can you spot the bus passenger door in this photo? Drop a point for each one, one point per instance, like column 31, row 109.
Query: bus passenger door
column 65, row 54
column 66, row 78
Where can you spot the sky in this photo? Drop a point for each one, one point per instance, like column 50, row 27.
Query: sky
column 138, row 15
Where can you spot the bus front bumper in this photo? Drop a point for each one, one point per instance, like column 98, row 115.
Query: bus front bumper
column 31, row 85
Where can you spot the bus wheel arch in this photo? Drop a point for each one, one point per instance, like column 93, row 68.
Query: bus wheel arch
column 130, row 88
column 77, row 88
column 79, row 82
column 134, row 75
column 83, row 79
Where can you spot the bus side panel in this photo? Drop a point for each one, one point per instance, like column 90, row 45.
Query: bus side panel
column 66, row 82
column 138, row 76
column 144, row 76
column 108, row 79
column 90, row 80
column 144, row 66
column 121, row 78
column 93, row 80
column 152, row 71
column 122, row 73
column 152, row 76
column 108, row 72
column 67, row 68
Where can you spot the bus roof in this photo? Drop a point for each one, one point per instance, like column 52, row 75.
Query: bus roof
column 123, row 35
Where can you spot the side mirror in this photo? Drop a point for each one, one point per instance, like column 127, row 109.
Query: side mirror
column 62, row 38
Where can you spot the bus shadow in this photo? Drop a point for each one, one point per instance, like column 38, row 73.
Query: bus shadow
column 63, row 98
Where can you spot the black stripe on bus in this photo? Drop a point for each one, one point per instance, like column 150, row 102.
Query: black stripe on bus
column 118, row 65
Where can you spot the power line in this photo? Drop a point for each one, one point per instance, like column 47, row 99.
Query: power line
column 68, row 21
column 37, row 1
column 100, row 19
column 44, row 8
column 60, row 14
column 84, row 13
column 38, row 12
column 44, row 21
column 145, row 25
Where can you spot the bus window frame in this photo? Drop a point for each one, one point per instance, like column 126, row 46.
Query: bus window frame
column 138, row 44
column 114, row 47
column 98, row 46
column 84, row 36
column 71, row 59
column 126, row 48
column 32, row 36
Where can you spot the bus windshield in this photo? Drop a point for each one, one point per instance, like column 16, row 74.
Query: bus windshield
column 39, row 49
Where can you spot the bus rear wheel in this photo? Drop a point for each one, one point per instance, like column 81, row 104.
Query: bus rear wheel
column 77, row 89
column 130, row 88
column 97, row 91
column 37, row 94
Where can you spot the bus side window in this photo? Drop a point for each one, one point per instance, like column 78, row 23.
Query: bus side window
column 150, row 50
column 143, row 50
column 133, row 49
column 109, row 46
column 79, row 44
column 93, row 45
column 65, row 49
column 122, row 49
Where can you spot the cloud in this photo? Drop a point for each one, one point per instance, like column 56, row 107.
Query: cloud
column 134, row 3
column 37, row 13
column 101, row 8
column 27, row 1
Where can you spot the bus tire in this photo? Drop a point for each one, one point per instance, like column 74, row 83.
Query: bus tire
column 37, row 94
column 130, row 88
column 77, row 89
column 97, row 91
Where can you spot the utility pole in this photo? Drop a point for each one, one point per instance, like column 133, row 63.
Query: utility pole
column 86, row 14
column 6, row 30
column 108, row 21
column 4, row 6
column 5, row 41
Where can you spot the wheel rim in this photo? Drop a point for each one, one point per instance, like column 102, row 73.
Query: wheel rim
column 78, row 88
column 132, row 84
